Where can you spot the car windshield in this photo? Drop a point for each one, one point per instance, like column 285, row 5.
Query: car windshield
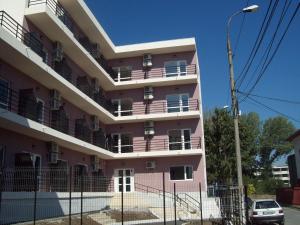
column 266, row 205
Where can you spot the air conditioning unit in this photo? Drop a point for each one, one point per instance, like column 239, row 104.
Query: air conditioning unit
column 95, row 163
column 149, row 128
column 58, row 53
column 55, row 99
column 147, row 60
column 150, row 165
column 53, row 152
column 148, row 93
column 94, row 123
column 95, row 85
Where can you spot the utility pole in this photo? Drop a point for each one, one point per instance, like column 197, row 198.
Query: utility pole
column 235, row 110
column 234, row 103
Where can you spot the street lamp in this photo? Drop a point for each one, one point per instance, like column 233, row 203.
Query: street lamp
column 249, row 9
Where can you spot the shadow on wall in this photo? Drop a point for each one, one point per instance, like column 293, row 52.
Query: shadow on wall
column 19, row 206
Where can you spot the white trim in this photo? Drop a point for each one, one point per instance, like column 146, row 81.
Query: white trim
column 184, row 166
column 116, row 179
column 181, row 106
column 178, row 68
column 119, row 110
column 119, row 146
column 182, row 139
column 118, row 69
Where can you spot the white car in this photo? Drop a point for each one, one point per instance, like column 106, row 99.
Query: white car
column 266, row 211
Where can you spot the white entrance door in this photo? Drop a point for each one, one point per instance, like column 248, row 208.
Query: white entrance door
column 124, row 179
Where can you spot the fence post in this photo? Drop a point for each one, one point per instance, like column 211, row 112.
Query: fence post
column 35, row 194
column 70, row 196
column 200, row 203
column 164, row 198
column 246, row 205
column 81, row 195
column 175, row 215
column 122, row 199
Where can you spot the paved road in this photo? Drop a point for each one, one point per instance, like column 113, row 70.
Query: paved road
column 292, row 216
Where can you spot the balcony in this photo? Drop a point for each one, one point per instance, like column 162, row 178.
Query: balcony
column 26, row 104
column 48, row 17
column 20, row 33
column 156, row 147
column 169, row 144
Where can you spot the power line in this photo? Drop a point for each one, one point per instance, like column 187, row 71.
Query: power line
column 274, row 110
column 256, row 45
column 269, row 47
column 274, row 53
column 240, row 31
column 272, row 98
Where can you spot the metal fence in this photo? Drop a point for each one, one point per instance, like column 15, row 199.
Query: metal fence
column 75, row 195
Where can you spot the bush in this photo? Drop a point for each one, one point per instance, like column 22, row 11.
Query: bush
column 268, row 186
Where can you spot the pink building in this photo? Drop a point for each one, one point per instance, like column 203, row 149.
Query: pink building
column 70, row 97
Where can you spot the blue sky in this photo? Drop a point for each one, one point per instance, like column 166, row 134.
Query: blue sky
column 135, row 21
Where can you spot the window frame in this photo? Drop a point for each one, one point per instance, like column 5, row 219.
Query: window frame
column 181, row 107
column 177, row 66
column 183, row 142
column 185, row 174
column 5, row 105
column 119, row 146
column 118, row 70
column 119, row 108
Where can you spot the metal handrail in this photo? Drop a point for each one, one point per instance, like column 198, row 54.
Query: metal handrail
column 21, row 33
column 170, row 195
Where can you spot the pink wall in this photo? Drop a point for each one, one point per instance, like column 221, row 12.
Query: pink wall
column 153, row 178
column 160, row 139
column 32, row 145
column 158, row 104
column 19, row 81
column 48, row 45
column 158, row 63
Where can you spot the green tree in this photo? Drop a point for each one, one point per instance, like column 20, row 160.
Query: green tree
column 220, row 147
column 273, row 143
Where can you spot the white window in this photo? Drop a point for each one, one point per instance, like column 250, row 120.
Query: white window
column 180, row 139
column 178, row 103
column 122, row 143
column 40, row 110
column 122, row 107
column 4, row 94
column 181, row 173
column 122, row 73
column 175, row 68
column 124, row 180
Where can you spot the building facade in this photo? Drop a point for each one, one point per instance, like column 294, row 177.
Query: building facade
column 281, row 173
column 294, row 162
column 71, row 98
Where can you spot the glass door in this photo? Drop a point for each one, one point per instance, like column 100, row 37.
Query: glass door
column 124, row 180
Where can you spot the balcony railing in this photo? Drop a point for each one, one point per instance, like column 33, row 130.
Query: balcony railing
column 57, row 9
column 92, row 48
column 22, row 34
column 156, row 72
column 26, row 104
column 161, row 144
column 159, row 107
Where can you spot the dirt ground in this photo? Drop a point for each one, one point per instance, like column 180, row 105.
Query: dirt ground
column 130, row 215
column 65, row 221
